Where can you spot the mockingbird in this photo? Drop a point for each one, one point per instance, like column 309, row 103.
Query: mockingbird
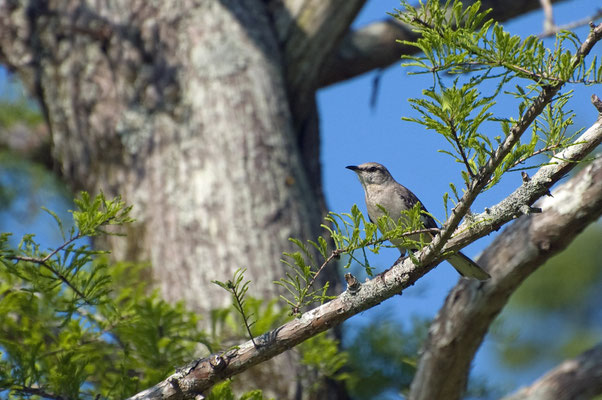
column 385, row 196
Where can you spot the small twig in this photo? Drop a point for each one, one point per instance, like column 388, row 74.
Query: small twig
column 35, row 392
column 548, row 23
column 42, row 262
column 461, row 150
column 245, row 320
column 535, row 153
column 570, row 26
column 375, row 88
column 421, row 22
column 353, row 285
column 337, row 252
column 61, row 247
column 597, row 103
column 535, row 76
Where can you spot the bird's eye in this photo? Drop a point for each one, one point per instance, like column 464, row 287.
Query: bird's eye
column 372, row 169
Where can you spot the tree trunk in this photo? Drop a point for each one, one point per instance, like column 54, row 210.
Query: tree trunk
column 201, row 114
column 182, row 109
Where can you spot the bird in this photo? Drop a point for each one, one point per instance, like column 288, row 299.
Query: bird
column 384, row 195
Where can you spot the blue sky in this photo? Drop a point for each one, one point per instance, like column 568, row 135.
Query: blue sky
column 353, row 133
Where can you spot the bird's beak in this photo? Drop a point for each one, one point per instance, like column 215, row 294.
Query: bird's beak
column 354, row 168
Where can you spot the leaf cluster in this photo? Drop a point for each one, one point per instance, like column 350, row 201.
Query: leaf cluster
column 323, row 355
column 223, row 391
column 19, row 112
column 382, row 357
column 320, row 354
column 460, row 42
column 73, row 326
column 349, row 234
column 238, row 289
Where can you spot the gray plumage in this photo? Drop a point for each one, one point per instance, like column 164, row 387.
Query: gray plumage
column 382, row 190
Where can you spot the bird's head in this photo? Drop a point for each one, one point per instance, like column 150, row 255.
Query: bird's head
column 371, row 173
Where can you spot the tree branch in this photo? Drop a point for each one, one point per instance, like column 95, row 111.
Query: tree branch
column 482, row 178
column 554, row 29
column 32, row 391
column 44, row 262
column 309, row 30
column 462, row 151
column 374, row 46
column 471, row 307
column 548, row 22
column 519, row 202
column 203, row 373
column 579, row 378
column 370, row 47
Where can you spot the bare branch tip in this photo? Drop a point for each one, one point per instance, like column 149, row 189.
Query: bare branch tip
column 353, row 285
column 527, row 210
column 597, row 103
column 217, row 362
column 525, row 176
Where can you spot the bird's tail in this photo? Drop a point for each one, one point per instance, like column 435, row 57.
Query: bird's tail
column 468, row 268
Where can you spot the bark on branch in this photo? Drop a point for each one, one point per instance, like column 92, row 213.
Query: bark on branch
column 579, row 378
column 374, row 46
column 202, row 374
column 308, row 31
column 471, row 307
column 486, row 171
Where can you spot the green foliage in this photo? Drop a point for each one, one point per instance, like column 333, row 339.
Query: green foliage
column 566, row 281
column 64, row 268
column 223, row 391
column 239, row 289
column 322, row 354
column 228, row 326
column 73, row 326
column 462, row 42
column 26, row 181
column 383, row 357
column 563, row 293
column 350, row 233
column 21, row 111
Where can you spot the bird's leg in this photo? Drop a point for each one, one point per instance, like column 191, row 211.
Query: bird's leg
column 400, row 259
column 402, row 256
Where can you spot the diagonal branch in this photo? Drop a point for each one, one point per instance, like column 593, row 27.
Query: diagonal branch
column 308, row 31
column 32, row 391
column 519, row 202
column 462, row 151
column 471, row 307
column 482, row 179
column 203, row 373
column 371, row 47
column 579, row 378
column 374, row 45
column 548, row 13
column 572, row 25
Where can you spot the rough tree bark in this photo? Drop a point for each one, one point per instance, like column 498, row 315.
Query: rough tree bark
column 470, row 308
column 455, row 336
column 575, row 379
column 200, row 113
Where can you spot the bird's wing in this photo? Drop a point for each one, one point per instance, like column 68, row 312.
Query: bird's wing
column 411, row 199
